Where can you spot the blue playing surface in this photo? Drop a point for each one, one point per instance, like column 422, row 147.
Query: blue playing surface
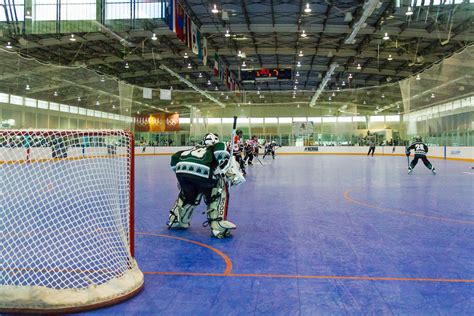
column 315, row 235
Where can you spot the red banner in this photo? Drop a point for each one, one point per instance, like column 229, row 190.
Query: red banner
column 172, row 122
column 157, row 123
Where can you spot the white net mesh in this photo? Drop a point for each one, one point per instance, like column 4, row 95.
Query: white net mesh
column 65, row 224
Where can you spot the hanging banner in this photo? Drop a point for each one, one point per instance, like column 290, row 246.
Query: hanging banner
column 180, row 23
column 204, row 51
column 157, row 123
column 194, row 31
column 172, row 122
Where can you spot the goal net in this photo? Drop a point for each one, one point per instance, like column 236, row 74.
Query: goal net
column 66, row 220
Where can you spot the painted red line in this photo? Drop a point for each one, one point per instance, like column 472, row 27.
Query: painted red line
column 320, row 277
column 228, row 262
column 386, row 209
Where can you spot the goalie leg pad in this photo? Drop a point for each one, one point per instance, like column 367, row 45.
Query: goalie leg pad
column 181, row 213
column 217, row 211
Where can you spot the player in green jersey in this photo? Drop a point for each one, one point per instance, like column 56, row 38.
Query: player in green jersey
column 204, row 171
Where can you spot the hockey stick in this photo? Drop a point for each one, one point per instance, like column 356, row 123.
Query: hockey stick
column 256, row 157
column 234, row 129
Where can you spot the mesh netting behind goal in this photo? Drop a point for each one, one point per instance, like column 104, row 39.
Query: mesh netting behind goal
column 66, row 220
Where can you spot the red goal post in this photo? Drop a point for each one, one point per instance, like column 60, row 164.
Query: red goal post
column 67, row 224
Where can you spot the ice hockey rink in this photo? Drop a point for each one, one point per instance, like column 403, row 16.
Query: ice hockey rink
column 97, row 96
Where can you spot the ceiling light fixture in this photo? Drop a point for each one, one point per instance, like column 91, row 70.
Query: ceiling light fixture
column 28, row 15
column 55, row 93
column 301, row 54
column 200, row 75
column 126, row 65
column 214, row 9
column 409, row 11
column 343, row 83
column 154, row 38
column 27, row 87
column 389, row 57
column 244, row 64
column 303, row 34
column 227, row 97
column 333, row 94
column 78, row 99
column 359, row 67
column 209, row 82
column 297, row 74
column 97, row 103
column 432, row 95
column 9, row 45
column 307, row 9
column 189, row 66
column 383, row 95
column 185, row 56
column 216, row 88
column 418, row 77
column 295, row 87
column 329, row 98
column 102, row 79
column 350, row 76
column 72, row 38
column 227, row 33
column 386, row 37
column 299, row 64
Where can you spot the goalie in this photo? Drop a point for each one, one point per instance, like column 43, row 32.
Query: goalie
column 205, row 171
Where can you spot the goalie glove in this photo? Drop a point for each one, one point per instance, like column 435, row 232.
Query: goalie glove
column 233, row 174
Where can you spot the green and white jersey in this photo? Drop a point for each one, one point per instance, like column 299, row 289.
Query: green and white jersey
column 200, row 161
column 419, row 147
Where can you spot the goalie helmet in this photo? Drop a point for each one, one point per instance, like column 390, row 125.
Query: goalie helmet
column 418, row 138
column 210, row 139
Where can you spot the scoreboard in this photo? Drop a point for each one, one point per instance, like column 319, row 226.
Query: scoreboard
column 265, row 74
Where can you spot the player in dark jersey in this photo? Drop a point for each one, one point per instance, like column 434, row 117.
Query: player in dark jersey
column 202, row 171
column 421, row 150
column 270, row 149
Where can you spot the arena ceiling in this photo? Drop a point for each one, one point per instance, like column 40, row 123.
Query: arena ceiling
column 271, row 34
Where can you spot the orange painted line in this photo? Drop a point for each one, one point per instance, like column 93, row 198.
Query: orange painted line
column 228, row 262
column 319, row 277
column 386, row 209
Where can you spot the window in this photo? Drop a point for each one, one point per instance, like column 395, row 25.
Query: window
column 314, row 119
column 4, row 96
column 64, row 108
column 330, row 119
column 285, row 120
column 344, row 119
column 14, row 99
column 14, row 11
column 360, row 119
column 271, row 120
column 184, row 120
column 392, row 118
column 379, row 118
column 75, row 10
column 256, row 120
column 43, row 104
column 30, row 102
column 214, row 120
